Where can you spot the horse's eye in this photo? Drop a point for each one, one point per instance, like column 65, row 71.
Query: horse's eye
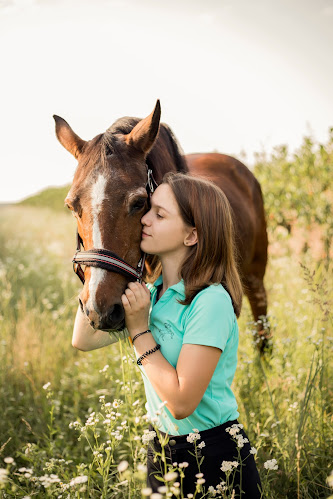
column 138, row 205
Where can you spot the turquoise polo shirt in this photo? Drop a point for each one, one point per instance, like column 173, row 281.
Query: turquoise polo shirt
column 208, row 320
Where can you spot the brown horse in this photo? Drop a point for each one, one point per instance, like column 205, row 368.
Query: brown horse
column 108, row 197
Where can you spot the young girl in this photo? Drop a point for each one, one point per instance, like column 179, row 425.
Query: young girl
column 186, row 346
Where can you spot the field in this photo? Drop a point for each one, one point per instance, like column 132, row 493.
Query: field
column 73, row 423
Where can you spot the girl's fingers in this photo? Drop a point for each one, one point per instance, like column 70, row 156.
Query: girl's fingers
column 137, row 290
column 125, row 301
column 130, row 295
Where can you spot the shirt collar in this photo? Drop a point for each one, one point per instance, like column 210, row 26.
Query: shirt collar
column 179, row 287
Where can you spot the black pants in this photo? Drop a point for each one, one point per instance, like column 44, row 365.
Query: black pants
column 219, row 446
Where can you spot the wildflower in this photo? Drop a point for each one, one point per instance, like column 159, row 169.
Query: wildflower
column 241, row 441
column 200, row 481
column 147, row 437
column 271, row 464
column 189, row 496
column 122, row 466
column 115, row 404
column 195, row 430
column 78, row 480
column 163, row 489
column 156, row 495
column 228, row 465
column 192, row 437
column 46, row 386
column 201, row 445
column 172, row 475
column 211, row 490
column 3, row 476
column 183, row 465
column 9, row 460
column 146, row 491
column 142, row 467
column 199, row 475
column 136, row 402
column 253, row 450
column 329, row 480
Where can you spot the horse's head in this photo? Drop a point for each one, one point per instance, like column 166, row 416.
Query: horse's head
column 108, row 197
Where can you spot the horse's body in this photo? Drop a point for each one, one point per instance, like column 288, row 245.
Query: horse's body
column 108, row 198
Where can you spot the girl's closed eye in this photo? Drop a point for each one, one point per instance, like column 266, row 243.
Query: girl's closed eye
column 158, row 215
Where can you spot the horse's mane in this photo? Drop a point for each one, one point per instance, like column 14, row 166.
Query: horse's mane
column 125, row 125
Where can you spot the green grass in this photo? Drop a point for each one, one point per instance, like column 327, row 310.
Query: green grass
column 52, row 197
column 285, row 402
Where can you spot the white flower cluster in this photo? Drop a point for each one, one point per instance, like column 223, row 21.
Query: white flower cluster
column 3, row 476
column 78, row 480
column 271, row 464
column 148, row 436
column 193, row 436
column 234, row 432
column 47, row 480
column 229, row 465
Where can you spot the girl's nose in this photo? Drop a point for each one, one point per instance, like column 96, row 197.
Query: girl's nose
column 145, row 219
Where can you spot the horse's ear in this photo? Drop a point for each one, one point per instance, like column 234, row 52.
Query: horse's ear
column 67, row 137
column 143, row 135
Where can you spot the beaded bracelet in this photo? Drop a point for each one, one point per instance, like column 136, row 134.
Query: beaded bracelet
column 139, row 361
column 139, row 334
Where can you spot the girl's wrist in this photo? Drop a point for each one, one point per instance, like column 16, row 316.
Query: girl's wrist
column 137, row 330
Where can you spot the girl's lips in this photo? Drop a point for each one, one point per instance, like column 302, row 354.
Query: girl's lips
column 144, row 235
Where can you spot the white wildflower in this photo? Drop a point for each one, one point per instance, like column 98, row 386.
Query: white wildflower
column 147, row 437
column 271, row 464
column 163, row 489
column 201, row 445
column 172, row 475
column 46, row 386
column 253, row 450
column 78, row 480
column 9, row 460
column 228, row 465
column 146, row 491
column 122, row 466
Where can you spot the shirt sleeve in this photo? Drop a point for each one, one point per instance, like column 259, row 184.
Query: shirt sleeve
column 210, row 319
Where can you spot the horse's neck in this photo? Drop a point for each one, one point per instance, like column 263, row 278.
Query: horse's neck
column 163, row 157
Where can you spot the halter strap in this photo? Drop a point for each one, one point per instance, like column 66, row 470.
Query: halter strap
column 106, row 259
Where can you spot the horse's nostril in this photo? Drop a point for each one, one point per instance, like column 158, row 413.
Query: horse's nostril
column 116, row 314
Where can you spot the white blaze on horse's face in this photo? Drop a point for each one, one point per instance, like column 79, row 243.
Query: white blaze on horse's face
column 97, row 275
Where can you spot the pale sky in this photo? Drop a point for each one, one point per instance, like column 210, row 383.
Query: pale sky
column 232, row 75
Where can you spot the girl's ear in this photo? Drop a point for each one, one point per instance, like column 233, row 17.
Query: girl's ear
column 192, row 238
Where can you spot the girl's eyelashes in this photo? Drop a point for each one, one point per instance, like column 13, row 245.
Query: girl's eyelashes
column 158, row 215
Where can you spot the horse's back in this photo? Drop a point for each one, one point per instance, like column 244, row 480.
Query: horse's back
column 243, row 192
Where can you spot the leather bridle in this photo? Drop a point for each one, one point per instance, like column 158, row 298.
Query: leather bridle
column 106, row 259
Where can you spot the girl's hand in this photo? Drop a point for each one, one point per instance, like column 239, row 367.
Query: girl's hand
column 136, row 302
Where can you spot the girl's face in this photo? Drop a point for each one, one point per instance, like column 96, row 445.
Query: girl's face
column 164, row 231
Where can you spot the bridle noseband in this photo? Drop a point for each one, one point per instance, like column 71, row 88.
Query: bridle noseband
column 106, row 259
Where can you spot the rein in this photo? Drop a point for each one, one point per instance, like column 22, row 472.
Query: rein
column 106, row 259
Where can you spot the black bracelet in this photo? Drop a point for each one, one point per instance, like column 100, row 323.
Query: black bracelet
column 139, row 361
column 139, row 334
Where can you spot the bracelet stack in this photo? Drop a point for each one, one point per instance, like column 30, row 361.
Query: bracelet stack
column 140, row 359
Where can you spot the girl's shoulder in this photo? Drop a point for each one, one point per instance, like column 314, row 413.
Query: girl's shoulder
column 212, row 298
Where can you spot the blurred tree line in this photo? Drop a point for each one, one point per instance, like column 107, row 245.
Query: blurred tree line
column 297, row 187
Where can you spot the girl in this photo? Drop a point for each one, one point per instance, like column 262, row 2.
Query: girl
column 186, row 346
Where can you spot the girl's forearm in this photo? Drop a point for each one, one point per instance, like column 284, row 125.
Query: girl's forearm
column 161, row 374
column 86, row 338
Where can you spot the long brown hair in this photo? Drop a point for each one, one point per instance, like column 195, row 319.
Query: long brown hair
column 214, row 258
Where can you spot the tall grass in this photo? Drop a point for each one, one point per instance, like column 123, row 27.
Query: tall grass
column 73, row 424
